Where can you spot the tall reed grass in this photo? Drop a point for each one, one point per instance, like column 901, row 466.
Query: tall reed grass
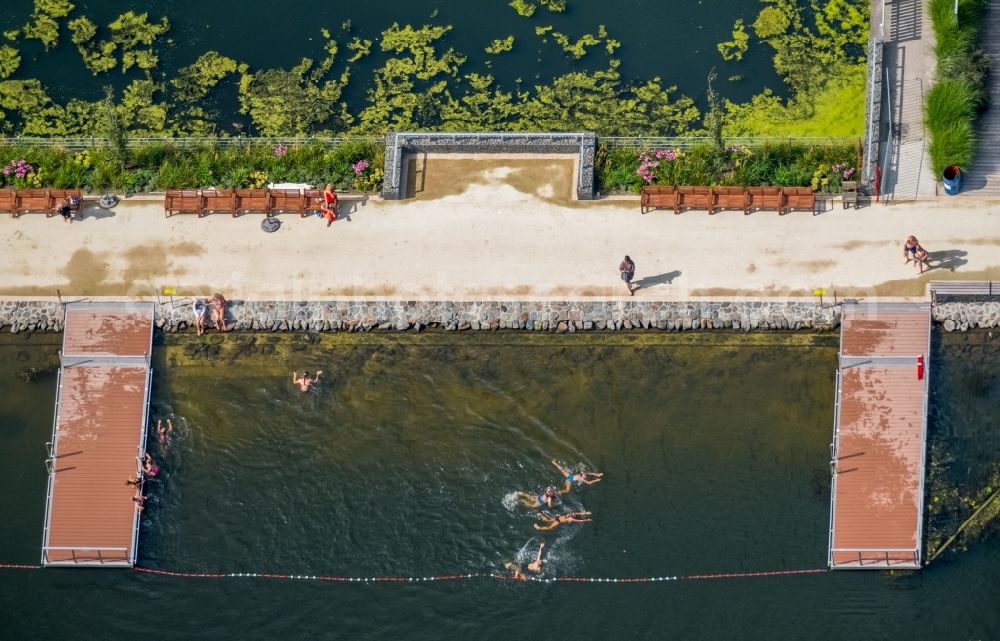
column 959, row 94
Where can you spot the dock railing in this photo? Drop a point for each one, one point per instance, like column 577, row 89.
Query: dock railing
column 96, row 554
column 833, row 464
column 865, row 555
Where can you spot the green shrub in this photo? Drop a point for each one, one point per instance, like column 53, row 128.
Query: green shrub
column 952, row 145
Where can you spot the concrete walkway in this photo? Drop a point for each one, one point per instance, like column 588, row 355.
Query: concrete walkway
column 511, row 232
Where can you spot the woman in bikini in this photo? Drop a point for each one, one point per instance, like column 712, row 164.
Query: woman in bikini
column 577, row 478
column 219, row 303
column 912, row 250
column 552, row 522
column 545, row 499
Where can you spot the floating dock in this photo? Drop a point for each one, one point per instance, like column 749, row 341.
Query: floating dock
column 880, row 435
column 98, row 435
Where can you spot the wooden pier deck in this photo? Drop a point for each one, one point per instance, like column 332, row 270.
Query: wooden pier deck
column 98, row 434
column 879, row 445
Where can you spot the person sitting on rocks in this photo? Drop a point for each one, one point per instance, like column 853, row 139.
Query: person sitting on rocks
column 219, row 303
column 199, row 315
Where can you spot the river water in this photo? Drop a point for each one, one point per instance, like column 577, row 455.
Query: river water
column 671, row 39
column 715, row 448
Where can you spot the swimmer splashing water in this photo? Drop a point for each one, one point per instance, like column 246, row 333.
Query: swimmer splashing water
column 305, row 382
column 545, row 499
column 577, row 478
column 518, row 569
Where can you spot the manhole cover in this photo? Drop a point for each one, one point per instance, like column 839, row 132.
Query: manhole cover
column 270, row 225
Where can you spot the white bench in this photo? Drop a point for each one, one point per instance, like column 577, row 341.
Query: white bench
column 964, row 288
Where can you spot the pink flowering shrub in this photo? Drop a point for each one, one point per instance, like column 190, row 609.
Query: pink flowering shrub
column 359, row 167
column 280, row 150
column 18, row 173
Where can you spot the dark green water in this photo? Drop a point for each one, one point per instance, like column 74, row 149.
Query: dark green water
column 715, row 449
column 671, row 39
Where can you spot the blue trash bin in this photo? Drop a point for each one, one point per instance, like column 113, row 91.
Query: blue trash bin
column 952, row 180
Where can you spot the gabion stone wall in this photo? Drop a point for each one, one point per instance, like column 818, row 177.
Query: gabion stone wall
column 398, row 144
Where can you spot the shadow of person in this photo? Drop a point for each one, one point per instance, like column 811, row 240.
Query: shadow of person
column 352, row 208
column 950, row 259
column 660, row 279
column 94, row 212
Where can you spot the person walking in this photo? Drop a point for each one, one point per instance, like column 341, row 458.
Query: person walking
column 627, row 270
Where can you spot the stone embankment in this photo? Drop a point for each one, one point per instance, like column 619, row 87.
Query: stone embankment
column 554, row 316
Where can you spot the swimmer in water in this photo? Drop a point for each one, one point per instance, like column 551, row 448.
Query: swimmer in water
column 535, row 567
column 545, row 499
column 552, row 522
column 305, row 382
column 163, row 433
column 149, row 467
column 577, row 478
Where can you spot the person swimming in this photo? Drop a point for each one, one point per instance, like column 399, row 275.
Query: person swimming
column 163, row 433
column 577, row 478
column 535, row 567
column 149, row 467
column 545, row 499
column 305, row 382
column 552, row 522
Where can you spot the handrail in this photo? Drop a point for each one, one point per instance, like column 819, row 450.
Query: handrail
column 891, row 138
column 84, row 549
column 873, row 550
column 73, row 550
column 687, row 142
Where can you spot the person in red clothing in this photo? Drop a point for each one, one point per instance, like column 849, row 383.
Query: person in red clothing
column 329, row 206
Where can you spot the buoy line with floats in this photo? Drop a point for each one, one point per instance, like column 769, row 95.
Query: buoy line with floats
column 437, row 578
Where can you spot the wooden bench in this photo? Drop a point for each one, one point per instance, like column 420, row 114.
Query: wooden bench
column 964, row 288
column 798, row 198
column 43, row 201
column 34, row 200
column 657, row 197
column 8, row 201
column 313, row 201
column 288, row 200
column 183, row 201
column 764, row 198
column 693, row 198
column 218, row 200
column 728, row 198
column 253, row 200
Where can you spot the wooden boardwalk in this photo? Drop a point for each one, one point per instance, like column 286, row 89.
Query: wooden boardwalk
column 878, row 450
column 98, row 434
column 982, row 178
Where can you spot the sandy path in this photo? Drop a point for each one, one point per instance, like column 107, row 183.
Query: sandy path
column 499, row 238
